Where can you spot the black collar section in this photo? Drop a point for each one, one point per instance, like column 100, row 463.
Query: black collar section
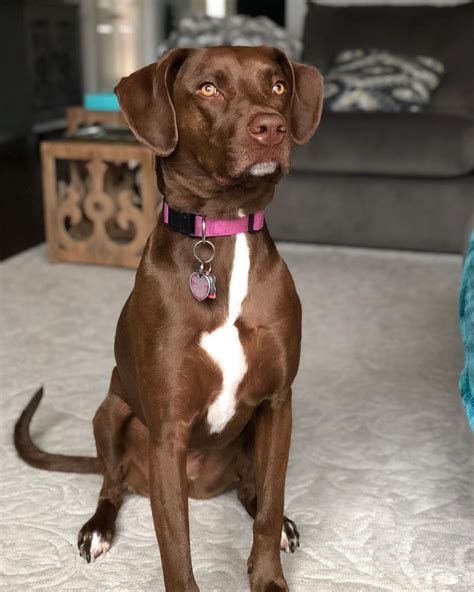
column 181, row 221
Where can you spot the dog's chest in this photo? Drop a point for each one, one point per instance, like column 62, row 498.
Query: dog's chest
column 223, row 344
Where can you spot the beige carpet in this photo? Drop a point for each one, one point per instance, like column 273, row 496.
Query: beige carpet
column 380, row 481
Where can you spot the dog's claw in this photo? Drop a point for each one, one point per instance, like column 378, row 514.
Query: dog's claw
column 249, row 565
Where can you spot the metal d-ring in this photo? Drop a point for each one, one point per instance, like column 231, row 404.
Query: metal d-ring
column 204, row 241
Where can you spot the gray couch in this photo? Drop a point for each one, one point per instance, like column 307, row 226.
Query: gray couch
column 399, row 180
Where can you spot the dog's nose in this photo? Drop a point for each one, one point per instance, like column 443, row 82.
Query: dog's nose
column 267, row 129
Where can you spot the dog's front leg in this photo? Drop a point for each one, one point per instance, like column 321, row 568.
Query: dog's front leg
column 272, row 444
column 169, row 504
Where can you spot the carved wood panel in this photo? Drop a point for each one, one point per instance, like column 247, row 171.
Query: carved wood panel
column 100, row 200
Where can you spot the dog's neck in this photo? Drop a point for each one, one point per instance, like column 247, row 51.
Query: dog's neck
column 196, row 191
column 187, row 196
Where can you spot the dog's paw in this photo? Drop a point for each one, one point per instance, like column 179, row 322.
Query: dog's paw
column 264, row 584
column 92, row 543
column 290, row 537
column 261, row 580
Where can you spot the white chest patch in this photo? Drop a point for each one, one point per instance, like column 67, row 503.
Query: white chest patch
column 223, row 345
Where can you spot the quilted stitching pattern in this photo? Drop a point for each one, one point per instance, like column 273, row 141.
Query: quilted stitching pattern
column 380, row 479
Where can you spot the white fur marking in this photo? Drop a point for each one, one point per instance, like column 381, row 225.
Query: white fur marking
column 263, row 168
column 99, row 546
column 223, row 345
column 284, row 542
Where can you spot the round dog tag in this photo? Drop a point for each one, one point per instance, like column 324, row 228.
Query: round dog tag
column 200, row 285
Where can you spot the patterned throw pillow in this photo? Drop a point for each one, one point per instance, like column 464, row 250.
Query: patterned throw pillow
column 378, row 80
column 206, row 31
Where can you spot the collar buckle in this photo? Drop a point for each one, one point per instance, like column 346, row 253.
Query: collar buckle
column 251, row 229
column 182, row 222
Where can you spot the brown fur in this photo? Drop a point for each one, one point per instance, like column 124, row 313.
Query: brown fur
column 151, row 431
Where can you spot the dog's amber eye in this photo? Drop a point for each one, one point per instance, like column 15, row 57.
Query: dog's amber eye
column 278, row 88
column 208, row 90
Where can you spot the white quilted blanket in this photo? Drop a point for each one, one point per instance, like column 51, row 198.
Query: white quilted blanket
column 380, row 480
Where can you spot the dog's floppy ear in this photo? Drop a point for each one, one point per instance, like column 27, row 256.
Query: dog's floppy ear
column 307, row 102
column 306, row 95
column 146, row 102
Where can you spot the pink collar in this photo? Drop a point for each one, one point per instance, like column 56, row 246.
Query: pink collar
column 191, row 224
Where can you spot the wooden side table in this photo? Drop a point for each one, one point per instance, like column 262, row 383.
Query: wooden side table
column 100, row 200
column 77, row 116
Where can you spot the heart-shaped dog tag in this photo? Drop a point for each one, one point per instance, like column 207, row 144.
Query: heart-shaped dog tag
column 200, row 285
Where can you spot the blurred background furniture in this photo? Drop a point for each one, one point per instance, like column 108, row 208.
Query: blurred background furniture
column 401, row 180
column 372, row 180
column 41, row 76
column 41, row 63
column 100, row 197
column 78, row 116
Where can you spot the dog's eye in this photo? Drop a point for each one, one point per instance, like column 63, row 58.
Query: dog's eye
column 278, row 88
column 208, row 90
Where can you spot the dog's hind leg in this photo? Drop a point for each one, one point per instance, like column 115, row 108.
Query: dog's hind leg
column 95, row 537
column 110, row 421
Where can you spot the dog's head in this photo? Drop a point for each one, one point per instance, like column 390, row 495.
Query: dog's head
column 231, row 111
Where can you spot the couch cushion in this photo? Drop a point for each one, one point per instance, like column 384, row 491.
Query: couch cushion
column 402, row 144
column 422, row 214
column 380, row 80
column 445, row 33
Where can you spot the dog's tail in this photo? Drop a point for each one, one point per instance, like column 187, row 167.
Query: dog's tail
column 36, row 457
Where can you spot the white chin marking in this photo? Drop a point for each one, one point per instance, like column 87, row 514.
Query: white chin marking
column 263, row 168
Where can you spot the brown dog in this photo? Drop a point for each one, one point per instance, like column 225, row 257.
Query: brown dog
column 200, row 398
